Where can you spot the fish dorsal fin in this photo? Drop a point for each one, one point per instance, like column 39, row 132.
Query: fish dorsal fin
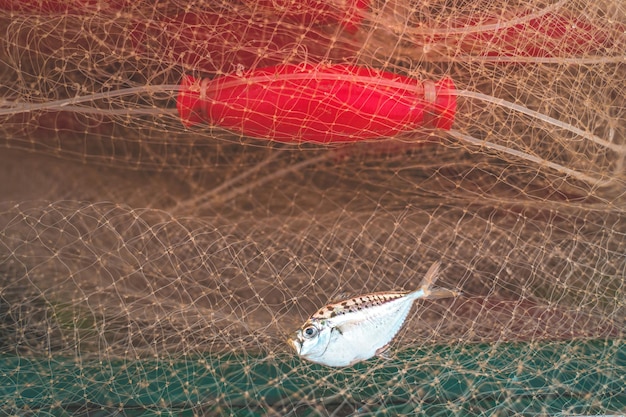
column 343, row 295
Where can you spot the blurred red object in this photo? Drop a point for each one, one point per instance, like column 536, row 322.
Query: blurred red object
column 219, row 42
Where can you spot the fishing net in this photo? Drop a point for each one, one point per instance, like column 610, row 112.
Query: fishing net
column 156, row 255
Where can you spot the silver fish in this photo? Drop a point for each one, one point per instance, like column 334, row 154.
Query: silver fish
column 354, row 330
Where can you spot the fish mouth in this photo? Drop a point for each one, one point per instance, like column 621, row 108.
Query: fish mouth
column 296, row 344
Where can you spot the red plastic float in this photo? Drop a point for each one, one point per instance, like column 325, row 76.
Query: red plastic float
column 324, row 104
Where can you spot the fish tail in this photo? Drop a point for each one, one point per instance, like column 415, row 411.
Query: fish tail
column 431, row 277
column 426, row 287
column 441, row 293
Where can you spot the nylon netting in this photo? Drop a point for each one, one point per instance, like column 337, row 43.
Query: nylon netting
column 155, row 263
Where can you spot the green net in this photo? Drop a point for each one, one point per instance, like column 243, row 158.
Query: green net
column 479, row 379
column 149, row 267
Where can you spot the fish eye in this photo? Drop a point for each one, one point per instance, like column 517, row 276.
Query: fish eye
column 309, row 332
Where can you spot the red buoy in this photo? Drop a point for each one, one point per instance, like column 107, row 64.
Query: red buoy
column 325, row 104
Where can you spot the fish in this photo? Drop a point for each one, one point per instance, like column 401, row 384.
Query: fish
column 354, row 330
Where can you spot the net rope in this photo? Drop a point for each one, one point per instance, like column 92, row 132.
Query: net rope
column 150, row 266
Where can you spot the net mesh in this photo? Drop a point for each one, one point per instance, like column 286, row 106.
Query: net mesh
column 148, row 267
